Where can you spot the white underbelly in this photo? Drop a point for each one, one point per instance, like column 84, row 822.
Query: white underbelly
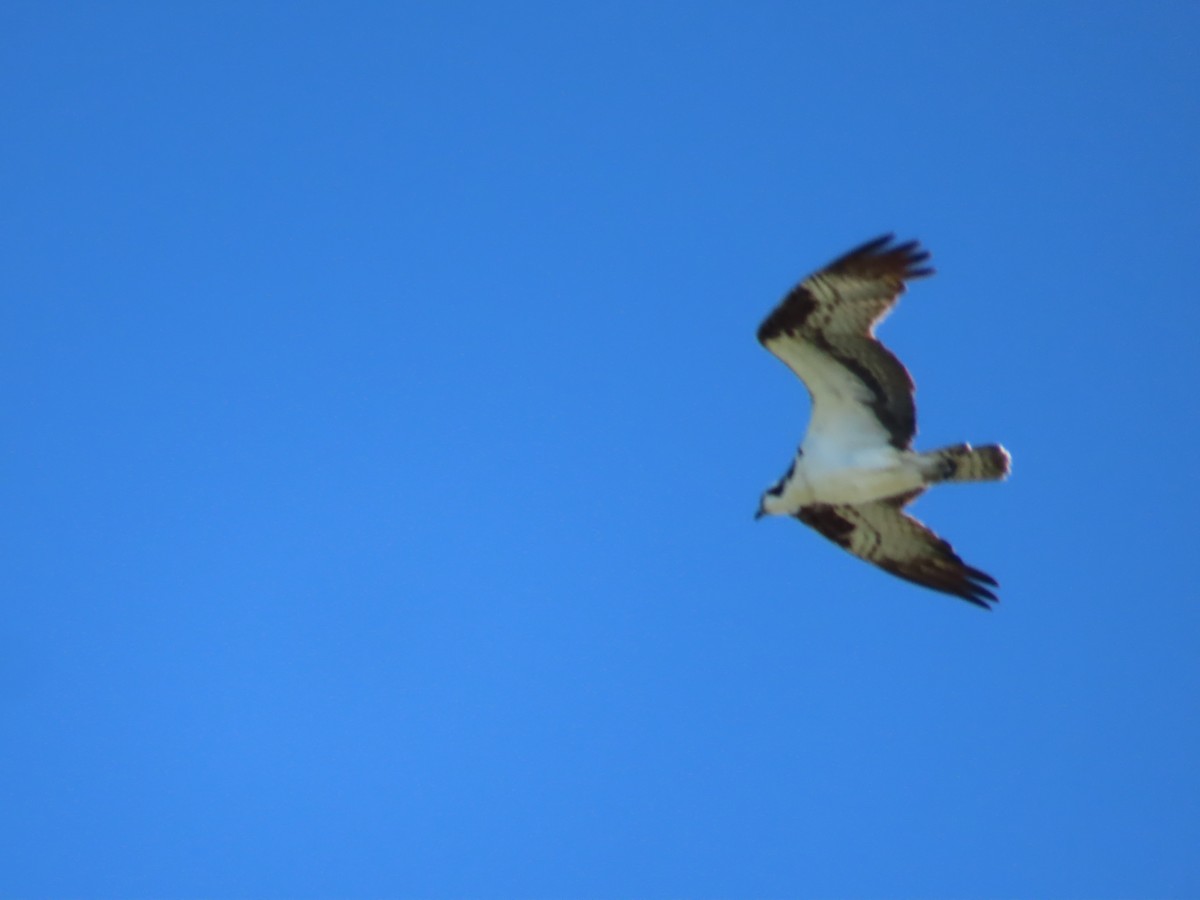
column 869, row 478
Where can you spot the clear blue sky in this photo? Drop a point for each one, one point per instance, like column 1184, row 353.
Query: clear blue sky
column 383, row 424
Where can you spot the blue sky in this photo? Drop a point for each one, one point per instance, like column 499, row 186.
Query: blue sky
column 384, row 423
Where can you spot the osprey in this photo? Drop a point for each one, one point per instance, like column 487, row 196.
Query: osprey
column 856, row 471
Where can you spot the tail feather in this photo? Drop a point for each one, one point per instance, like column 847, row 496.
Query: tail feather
column 962, row 462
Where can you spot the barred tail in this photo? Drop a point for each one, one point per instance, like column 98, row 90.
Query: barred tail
column 962, row 462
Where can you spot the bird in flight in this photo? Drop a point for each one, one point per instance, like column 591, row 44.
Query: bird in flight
column 856, row 471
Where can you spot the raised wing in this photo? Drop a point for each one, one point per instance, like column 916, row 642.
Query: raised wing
column 824, row 332
column 884, row 535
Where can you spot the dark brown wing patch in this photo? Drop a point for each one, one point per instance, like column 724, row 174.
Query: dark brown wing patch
column 835, row 310
column 789, row 316
column 849, row 294
column 883, row 534
column 827, row 520
column 890, row 384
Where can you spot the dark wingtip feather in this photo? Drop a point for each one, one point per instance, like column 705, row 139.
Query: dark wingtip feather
column 874, row 244
column 883, row 256
column 957, row 580
column 976, row 593
column 913, row 255
column 976, row 575
column 975, row 601
column 869, row 248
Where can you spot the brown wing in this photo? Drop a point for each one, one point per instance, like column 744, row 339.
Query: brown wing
column 884, row 535
column 831, row 315
column 851, row 294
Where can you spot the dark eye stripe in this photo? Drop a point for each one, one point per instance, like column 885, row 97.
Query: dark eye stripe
column 778, row 488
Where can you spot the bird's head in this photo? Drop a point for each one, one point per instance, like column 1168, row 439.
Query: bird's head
column 770, row 502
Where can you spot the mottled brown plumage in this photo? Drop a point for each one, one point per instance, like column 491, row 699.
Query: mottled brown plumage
column 837, row 309
column 883, row 534
column 856, row 471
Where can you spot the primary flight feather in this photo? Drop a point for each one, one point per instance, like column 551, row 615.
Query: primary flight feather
column 856, row 471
